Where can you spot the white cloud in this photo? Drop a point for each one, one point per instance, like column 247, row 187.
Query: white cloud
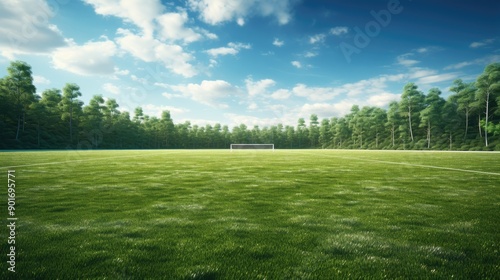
column 339, row 30
column 383, row 99
column 139, row 80
column 253, row 106
column 328, row 110
column 231, row 49
column 156, row 110
column 311, row 54
column 318, row 38
column 315, row 93
column 297, row 64
column 281, row 94
column 278, row 43
column 39, row 80
column 240, row 21
column 25, row 28
column 416, row 72
column 210, row 93
column 437, row 78
column 218, row 11
column 172, row 28
column 171, row 95
column 482, row 43
column 92, row 58
column 111, row 88
column 120, row 72
column 251, row 121
column 480, row 61
column 141, row 13
column 406, row 61
column 147, row 49
column 222, row 51
column 259, row 87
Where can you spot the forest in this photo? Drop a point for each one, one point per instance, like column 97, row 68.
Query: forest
column 469, row 119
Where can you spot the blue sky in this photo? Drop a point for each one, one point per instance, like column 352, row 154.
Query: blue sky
column 257, row 62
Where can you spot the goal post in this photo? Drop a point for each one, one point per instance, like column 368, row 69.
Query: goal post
column 252, row 147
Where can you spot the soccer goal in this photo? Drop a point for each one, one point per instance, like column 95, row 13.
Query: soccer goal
column 252, row 147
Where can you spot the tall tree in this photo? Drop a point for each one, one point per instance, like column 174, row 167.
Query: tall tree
column 488, row 87
column 464, row 97
column 92, row 120
column 20, row 89
column 168, row 129
column 393, row 120
column 70, row 105
column 411, row 103
column 431, row 114
column 324, row 133
column 313, row 130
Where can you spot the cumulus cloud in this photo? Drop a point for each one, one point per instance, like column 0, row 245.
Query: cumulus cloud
column 211, row 93
column 219, row 11
column 25, row 28
column 297, row 64
column 281, row 94
column 315, row 93
column 109, row 87
column 278, row 43
column 141, row 13
column 91, row 58
column 172, row 28
column 258, row 87
column 40, row 80
column 156, row 110
column 148, row 49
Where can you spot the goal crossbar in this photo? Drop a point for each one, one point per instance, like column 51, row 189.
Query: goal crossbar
column 252, row 147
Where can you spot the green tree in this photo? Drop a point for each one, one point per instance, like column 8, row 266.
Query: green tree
column 19, row 91
column 488, row 87
column 313, row 130
column 431, row 114
column 70, row 106
column 324, row 133
column 411, row 104
column 464, row 98
column 393, row 120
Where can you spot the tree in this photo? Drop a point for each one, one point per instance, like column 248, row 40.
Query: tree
column 431, row 114
column 168, row 129
column 377, row 123
column 324, row 133
column 464, row 97
column 488, row 86
column 393, row 120
column 70, row 105
column 20, row 90
column 411, row 104
column 313, row 130
column 301, row 130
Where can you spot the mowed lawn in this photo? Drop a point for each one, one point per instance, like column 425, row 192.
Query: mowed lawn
column 308, row 214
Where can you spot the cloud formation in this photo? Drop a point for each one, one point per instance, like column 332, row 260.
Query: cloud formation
column 219, row 11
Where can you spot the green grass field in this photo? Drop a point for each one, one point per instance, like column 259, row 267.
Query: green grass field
column 308, row 214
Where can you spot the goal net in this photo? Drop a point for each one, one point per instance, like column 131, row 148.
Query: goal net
column 252, row 147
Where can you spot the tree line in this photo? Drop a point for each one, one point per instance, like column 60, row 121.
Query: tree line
column 469, row 119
